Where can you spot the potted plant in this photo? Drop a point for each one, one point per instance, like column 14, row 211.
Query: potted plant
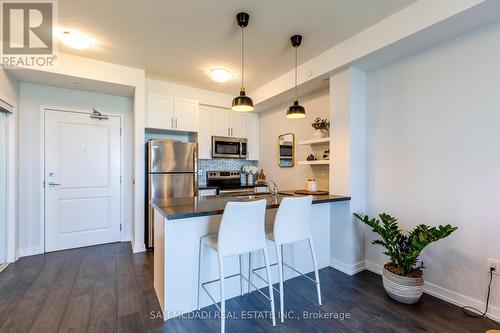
column 321, row 127
column 402, row 276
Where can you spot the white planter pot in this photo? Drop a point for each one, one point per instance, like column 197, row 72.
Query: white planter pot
column 319, row 134
column 250, row 179
column 401, row 288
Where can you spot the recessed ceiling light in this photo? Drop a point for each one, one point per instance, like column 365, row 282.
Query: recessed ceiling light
column 75, row 39
column 221, row 74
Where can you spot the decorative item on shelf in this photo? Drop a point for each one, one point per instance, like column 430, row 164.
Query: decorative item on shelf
column 261, row 178
column 250, row 171
column 326, row 154
column 321, row 127
column 311, row 157
column 402, row 276
column 311, row 185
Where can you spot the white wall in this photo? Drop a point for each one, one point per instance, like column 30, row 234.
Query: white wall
column 33, row 97
column 433, row 156
column 274, row 123
column 9, row 91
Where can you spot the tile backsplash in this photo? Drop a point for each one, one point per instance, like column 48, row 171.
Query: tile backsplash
column 220, row 164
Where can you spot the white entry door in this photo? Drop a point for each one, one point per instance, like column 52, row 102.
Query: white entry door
column 82, row 180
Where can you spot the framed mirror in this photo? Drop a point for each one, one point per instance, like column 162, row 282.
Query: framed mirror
column 286, row 150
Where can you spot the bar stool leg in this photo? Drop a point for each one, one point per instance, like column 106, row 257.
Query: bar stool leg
column 270, row 285
column 250, row 272
column 222, row 300
column 199, row 273
column 241, row 276
column 313, row 254
column 279, row 255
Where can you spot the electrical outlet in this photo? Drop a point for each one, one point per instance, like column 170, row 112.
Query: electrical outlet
column 495, row 264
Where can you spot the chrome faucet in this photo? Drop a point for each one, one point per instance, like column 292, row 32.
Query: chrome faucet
column 274, row 190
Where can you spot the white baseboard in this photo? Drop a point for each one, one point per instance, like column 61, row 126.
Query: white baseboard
column 349, row 269
column 138, row 247
column 445, row 294
column 29, row 251
column 373, row 267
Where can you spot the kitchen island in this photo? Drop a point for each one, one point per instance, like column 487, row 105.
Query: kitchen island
column 179, row 223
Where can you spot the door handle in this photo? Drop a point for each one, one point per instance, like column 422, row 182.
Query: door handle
column 172, row 122
column 53, row 184
column 176, row 122
column 231, row 131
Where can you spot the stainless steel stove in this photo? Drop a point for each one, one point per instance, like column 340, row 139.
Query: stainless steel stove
column 227, row 182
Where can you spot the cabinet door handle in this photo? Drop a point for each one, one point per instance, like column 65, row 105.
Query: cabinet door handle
column 231, row 131
column 176, row 122
column 228, row 132
column 171, row 122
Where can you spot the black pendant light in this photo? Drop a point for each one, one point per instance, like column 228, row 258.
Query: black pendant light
column 242, row 103
column 296, row 110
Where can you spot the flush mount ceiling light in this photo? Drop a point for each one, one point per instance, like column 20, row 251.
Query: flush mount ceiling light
column 220, row 74
column 242, row 103
column 296, row 110
column 75, row 39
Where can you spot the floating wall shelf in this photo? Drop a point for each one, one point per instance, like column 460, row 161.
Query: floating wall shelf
column 313, row 142
column 317, row 162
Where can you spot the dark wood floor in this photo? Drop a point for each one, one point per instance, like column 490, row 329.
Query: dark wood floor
column 108, row 289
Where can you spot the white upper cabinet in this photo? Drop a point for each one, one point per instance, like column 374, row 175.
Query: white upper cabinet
column 221, row 122
column 252, row 130
column 238, row 124
column 160, row 111
column 205, row 133
column 226, row 122
column 215, row 121
column 172, row 113
column 186, row 114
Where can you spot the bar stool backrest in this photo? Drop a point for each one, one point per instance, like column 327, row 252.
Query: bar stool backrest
column 293, row 220
column 242, row 228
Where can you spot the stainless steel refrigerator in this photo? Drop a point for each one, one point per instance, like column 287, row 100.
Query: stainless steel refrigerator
column 172, row 172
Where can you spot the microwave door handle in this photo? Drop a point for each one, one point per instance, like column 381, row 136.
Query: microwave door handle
column 241, row 149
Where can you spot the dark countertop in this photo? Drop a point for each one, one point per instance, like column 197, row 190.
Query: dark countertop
column 181, row 208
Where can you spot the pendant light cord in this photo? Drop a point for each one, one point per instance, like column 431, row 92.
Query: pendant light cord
column 296, row 90
column 242, row 55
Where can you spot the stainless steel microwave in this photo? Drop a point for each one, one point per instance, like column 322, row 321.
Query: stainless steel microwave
column 228, row 147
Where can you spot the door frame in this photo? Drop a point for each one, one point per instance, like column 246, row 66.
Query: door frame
column 11, row 246
column 43, row 109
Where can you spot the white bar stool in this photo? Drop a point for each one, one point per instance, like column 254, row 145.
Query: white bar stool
column 292, row 224
column 241, row 231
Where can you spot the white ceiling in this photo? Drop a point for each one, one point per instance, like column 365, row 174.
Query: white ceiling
column 179, row 40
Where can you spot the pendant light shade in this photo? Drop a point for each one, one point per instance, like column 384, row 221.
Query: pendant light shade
column 242, row 103
column 296, row 110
